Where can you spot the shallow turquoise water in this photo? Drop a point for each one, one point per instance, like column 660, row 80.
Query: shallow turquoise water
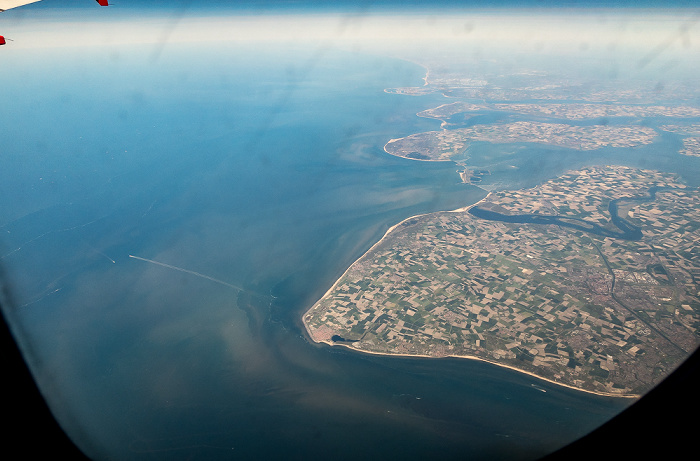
column 265, row 171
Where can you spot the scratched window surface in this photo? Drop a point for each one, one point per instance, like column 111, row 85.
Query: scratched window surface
column 268, row 230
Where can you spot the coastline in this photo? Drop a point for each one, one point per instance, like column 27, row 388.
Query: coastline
column 382, row 239
column 427, row 69
column 467, row 357
column 473, row 357
column 415, row 159
column 386, row 234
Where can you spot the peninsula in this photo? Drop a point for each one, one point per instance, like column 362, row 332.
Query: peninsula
column 588, row 280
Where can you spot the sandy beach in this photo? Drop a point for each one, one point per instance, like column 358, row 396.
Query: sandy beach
column 386, row 234
column 415, row 159
column 468, row 357
column 473, row 357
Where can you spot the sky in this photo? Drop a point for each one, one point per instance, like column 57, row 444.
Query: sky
column 53, row 23
column 380, row 3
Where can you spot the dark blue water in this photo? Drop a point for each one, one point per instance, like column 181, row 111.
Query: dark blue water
column 264, row 170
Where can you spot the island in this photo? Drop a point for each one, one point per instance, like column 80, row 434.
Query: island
column 445, row 145
column 691, row 141
column 589, row 280
column 569, row 111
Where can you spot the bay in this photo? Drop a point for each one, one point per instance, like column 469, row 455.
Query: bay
column 265, row 171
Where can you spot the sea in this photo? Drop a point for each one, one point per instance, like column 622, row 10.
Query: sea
column 168, row 218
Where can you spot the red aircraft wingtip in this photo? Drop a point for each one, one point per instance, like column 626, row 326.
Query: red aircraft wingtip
column 2, row 40
column 103, row 2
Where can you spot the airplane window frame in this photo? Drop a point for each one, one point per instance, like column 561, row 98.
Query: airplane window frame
column 640, row 430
